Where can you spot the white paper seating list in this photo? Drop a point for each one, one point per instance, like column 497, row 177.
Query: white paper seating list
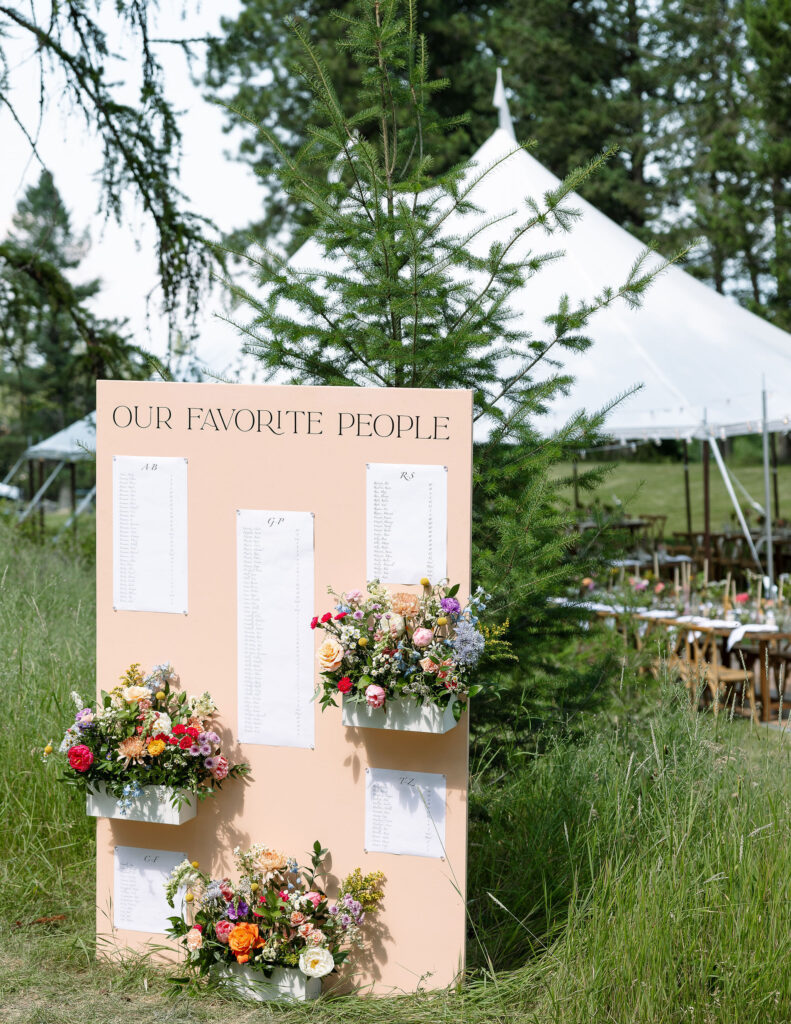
column 139, row 877
column 405, row 812
column 149, row 534
column 274, row 555
column 406, row 522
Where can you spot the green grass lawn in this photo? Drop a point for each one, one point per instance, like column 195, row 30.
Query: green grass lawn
column 658, row 489
column 638, row 872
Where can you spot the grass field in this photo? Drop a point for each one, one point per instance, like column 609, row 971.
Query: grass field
column 638, row 873
column 657, row 488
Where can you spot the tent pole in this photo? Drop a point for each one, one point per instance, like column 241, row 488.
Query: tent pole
column 78, row 511
column 737, row 507
column 706, row 501
column 773, row 449
column 73, row 490
column 10, row 474
column 34, row 501
column 686, row 489
column 41, row 503
column 770, row 555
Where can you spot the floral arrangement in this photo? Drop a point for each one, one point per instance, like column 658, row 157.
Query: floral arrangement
column 144, row 733
column 275, row 915
column 380, row 646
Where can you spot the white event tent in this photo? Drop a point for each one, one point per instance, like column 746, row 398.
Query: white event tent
column 699, row 359
column 75, row 443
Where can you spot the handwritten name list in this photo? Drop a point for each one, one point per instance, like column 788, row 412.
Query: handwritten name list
column 406, row 522
column 275, row 644
column 405, row 812
column 149, row 534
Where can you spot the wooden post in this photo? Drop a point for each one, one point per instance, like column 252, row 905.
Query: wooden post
column 706, row 500
column 773, row 444
column 686, row 490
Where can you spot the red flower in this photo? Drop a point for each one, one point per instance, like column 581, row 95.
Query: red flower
column 173, row 740
column 80, row 758
column 283, row 895
column 314, row 622
column 193, row 732
column 179, row 730
column 345, row 684
column 186, row 743
column 162, row 736
column 341, row 615
column 326, row 617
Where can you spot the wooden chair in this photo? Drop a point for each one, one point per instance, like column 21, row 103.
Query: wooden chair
column 726, row 686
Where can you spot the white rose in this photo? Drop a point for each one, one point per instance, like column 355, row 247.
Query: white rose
column 316, row 962
column 395, row 623
column 162, row 722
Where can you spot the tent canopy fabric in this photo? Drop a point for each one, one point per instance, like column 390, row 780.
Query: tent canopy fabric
column 75, row 443
column 698, row 358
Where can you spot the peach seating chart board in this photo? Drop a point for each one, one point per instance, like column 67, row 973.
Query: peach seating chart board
column 283, row 492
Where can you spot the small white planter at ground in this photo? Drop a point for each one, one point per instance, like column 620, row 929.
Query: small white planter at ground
column 286, row 983
column 405, row 716
column 152, row 805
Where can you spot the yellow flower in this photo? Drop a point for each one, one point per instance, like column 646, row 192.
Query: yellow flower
column 189, row 897
column 253, row 886
column 155, row 747
column 195, row 865
column 134, row 694
column 330, row 655
column 363, row 641
column 160, row 694
column 425, row 582
column 442, row 621
column 48, row 748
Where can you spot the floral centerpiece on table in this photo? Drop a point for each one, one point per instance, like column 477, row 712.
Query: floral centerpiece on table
column 381, row 646
column 144, row 732
column 275, row 915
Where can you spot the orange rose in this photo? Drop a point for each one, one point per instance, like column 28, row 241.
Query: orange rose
column 242, row 939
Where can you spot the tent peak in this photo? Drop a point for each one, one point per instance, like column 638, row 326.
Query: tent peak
column 500, row 102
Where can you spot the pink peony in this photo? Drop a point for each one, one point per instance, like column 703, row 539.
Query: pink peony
column 220, row 769
column 374, row 696
column 81, row 758
column 428, row 665
column 222, row 930
column 317, row 937
column 742, row 598
column 314, row 897
column 422, row 637
column 659, row 588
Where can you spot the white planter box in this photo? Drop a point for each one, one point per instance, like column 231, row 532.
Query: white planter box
column 286, row 983
column 152, row 805
column 402, row 715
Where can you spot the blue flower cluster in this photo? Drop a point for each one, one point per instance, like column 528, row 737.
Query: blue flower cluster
column 468, row 643
column 131, row 791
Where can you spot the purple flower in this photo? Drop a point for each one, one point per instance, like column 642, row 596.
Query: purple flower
column 205, row 749
column 212, row 737
column 345, row 920
column 334, row 911
column 210, row 763
column 84, row 719
column 450, row 605
column 358, row 614
column 194, row 750
column 239, row 911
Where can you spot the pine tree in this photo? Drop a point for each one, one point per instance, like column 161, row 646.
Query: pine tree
column 140, row 137
column 52, row 347
column 408, row 305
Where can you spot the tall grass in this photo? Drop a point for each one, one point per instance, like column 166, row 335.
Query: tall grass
column 638, row 871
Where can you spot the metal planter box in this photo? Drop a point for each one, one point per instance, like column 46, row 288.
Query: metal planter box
column 152, row 805
column 286, row 984
column 403, row 716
